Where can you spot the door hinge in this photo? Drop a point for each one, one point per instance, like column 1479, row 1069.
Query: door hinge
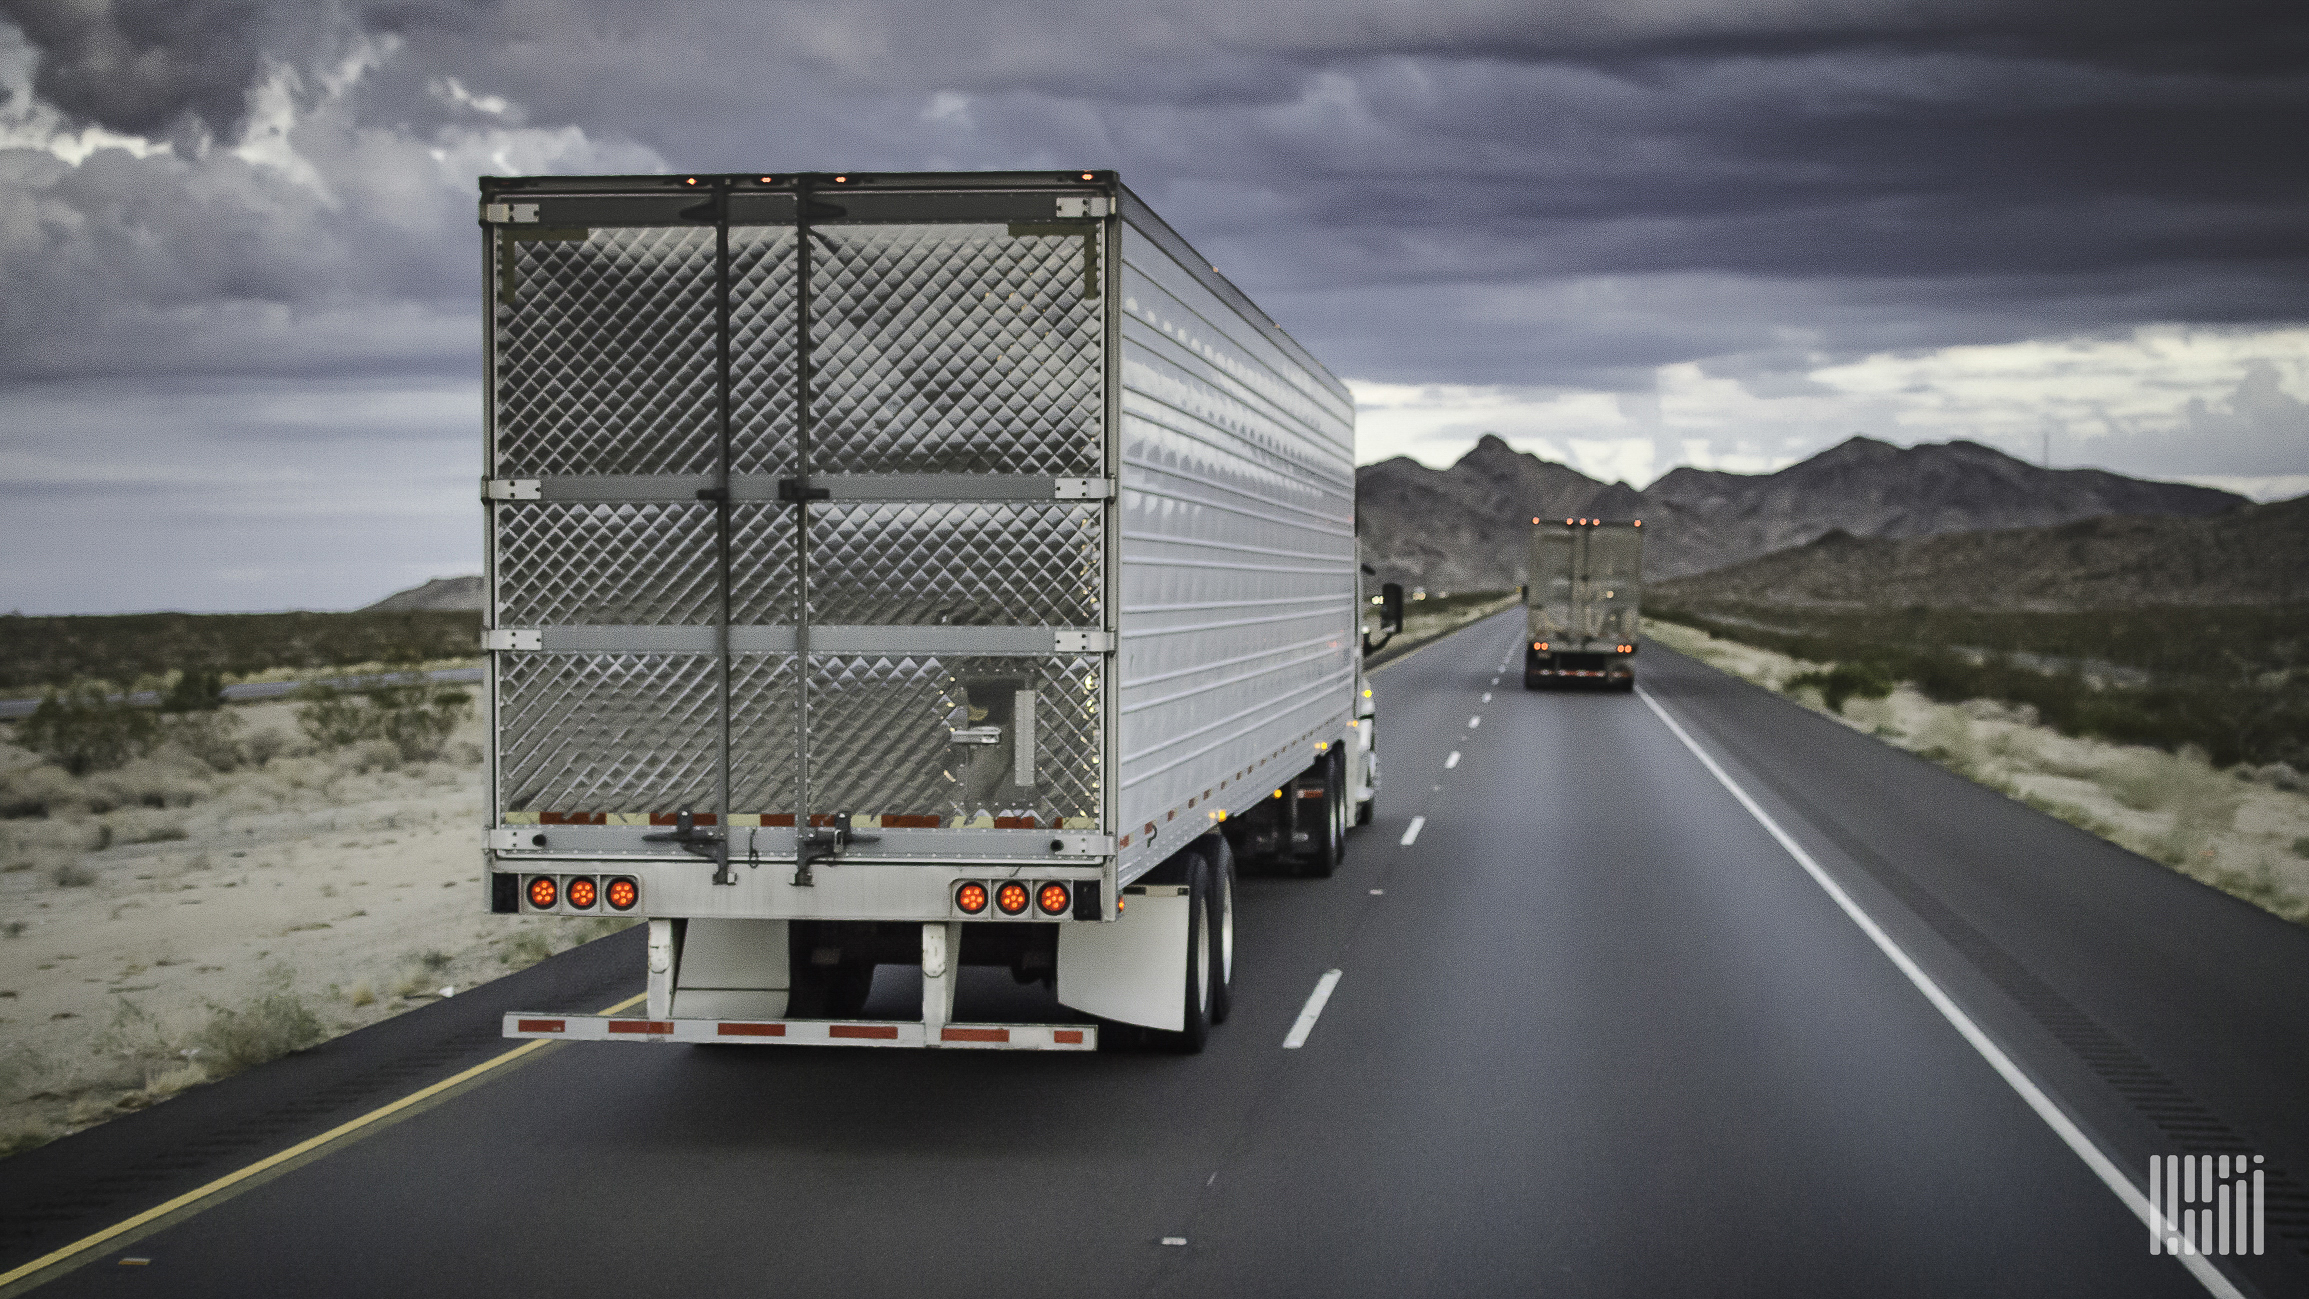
column 1089, row 205
column 794, row 491
column 509, row 489
column 498, row 214
column 1081, row 642
column 1083, row 489
column 508, row 638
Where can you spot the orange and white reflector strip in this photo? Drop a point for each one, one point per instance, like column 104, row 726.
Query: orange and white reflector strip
column 804, row 1032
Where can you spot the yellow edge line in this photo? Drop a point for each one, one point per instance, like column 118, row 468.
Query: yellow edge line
column 304, row 1147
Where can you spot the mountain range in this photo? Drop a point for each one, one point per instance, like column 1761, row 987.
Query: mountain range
column 1467, row 527
column 440, row 593
column 2255, row 554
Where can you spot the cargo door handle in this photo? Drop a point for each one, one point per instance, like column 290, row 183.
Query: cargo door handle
column 794, row 491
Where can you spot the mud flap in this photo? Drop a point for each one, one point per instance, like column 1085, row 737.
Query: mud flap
column 1130, row 970
column 729, row 969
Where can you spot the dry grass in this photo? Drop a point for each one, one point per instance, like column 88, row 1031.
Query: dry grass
column 2241, row 836
column 215, row 917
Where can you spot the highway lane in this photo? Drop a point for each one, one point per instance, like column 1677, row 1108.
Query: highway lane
column 1594, row 1033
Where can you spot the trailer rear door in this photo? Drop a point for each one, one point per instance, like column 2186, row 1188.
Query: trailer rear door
column 800, row 508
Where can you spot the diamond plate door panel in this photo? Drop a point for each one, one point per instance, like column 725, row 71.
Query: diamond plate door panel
column 883, row 739
column 565, row 564
column 764, row 339
column 959, row 564
column 606, row 354
column 762, row 697
column 607, row 732
column 954, row 349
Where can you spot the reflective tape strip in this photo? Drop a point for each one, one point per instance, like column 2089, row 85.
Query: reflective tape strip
column 805, row 1032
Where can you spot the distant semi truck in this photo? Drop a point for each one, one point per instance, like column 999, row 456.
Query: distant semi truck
column 905, row 569
column 1582, row 603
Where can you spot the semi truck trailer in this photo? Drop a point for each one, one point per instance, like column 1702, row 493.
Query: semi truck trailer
column 1583, row 603
column 939, row 570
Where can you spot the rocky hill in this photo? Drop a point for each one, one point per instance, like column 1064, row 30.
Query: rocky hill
column 1465, row 527
column 2252, row 554
column 440, row 593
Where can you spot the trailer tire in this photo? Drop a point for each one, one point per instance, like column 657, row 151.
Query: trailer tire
column 1200, row 975
column 1330, row 847
column 1221, row 857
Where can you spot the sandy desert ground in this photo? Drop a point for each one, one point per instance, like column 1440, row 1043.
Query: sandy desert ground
column 2234, row 830
column 165, row 922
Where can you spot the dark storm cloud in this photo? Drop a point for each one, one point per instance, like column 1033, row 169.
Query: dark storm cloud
column 141, row 66
column 1553, row 193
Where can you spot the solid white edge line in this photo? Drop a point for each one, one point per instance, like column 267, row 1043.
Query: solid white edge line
column 1413, row 832
column 2054, row 1117
column 1312, row 1011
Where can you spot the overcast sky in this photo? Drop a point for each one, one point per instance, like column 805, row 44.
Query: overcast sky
column 239, row 275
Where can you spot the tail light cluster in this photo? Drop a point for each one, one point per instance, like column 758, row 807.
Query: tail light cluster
column 1014, row 898
column 580, row 893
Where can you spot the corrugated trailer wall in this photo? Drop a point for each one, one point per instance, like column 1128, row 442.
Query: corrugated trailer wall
column 1237, row 529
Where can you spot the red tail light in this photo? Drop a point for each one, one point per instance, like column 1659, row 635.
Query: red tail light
column 970, row 899
column 1053, row 899
column 542, row 892
column 622, row 894
column 583, row 893
column 1011, row 898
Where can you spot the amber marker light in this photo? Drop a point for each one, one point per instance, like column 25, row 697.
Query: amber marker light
column 1010, row 899
column 622, row 894
column 542, row 892
column 583, row 892
column 1088, row 176
column 970, row 899
column 1053, row 898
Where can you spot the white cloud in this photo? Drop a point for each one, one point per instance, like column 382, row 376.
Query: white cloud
column 27, row 122
column 449, row 90
column 2221, row 407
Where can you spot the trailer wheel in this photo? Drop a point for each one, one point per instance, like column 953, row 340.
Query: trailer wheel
column 1331, row 846
column 1200, row 974
column 1222, row 859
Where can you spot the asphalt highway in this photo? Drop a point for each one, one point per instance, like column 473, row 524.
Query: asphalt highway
column 1595, row 1031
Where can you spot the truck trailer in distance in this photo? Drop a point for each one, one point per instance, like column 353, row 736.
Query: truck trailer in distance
column 924, row 569
column 1582, row 603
